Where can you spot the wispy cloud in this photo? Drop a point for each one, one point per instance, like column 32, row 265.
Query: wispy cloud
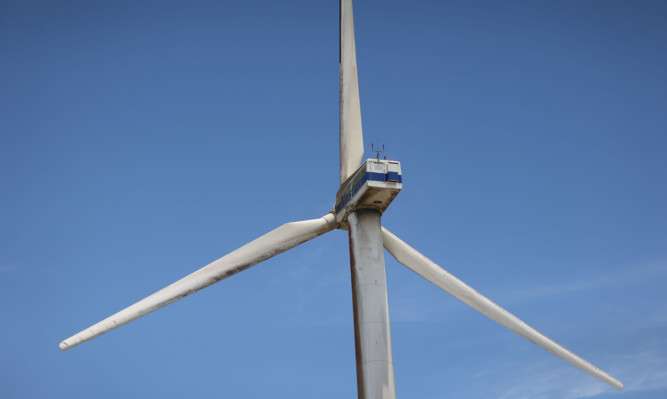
column 547, row 383
column 645, row 370
column 313, row 286
column 406, row 307
column 629, row 275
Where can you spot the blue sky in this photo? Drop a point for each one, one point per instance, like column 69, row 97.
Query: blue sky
column 141, row 140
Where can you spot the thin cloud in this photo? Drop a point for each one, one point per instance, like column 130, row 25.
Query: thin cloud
column 542, row 382
column 629, row 275
column 410, row 306
column 645, row 370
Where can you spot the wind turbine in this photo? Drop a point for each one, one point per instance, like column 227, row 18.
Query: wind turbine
column 365, row 193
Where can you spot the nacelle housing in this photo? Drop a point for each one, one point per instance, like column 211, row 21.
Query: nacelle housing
column 374, row 185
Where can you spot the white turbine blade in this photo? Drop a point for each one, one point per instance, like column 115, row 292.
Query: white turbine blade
column 351, row 136
column 423, row 266
column 270, row 244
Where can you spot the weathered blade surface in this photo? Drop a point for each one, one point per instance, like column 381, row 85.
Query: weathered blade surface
column 351, row 136
column 423, row 266
column 270, row 244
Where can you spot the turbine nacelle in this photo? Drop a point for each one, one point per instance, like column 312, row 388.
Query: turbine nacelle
column 373, row 186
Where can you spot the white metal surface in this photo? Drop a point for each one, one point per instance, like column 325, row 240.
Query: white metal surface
column 351, row 136
column 423, row 266
column 375, row 367
column 270, row 244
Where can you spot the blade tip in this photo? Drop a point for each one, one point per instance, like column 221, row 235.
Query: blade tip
column 69, row 343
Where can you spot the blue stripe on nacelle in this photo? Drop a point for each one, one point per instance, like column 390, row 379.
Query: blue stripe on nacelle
column 393, row 177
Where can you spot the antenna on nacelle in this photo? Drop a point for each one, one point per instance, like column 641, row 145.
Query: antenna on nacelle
column 378, row 151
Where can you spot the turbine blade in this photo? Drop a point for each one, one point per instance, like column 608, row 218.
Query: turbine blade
column 270, row 244
column 423, row 266
column 351, row 136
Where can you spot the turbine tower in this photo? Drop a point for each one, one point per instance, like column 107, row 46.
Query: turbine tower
column 365, row 193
